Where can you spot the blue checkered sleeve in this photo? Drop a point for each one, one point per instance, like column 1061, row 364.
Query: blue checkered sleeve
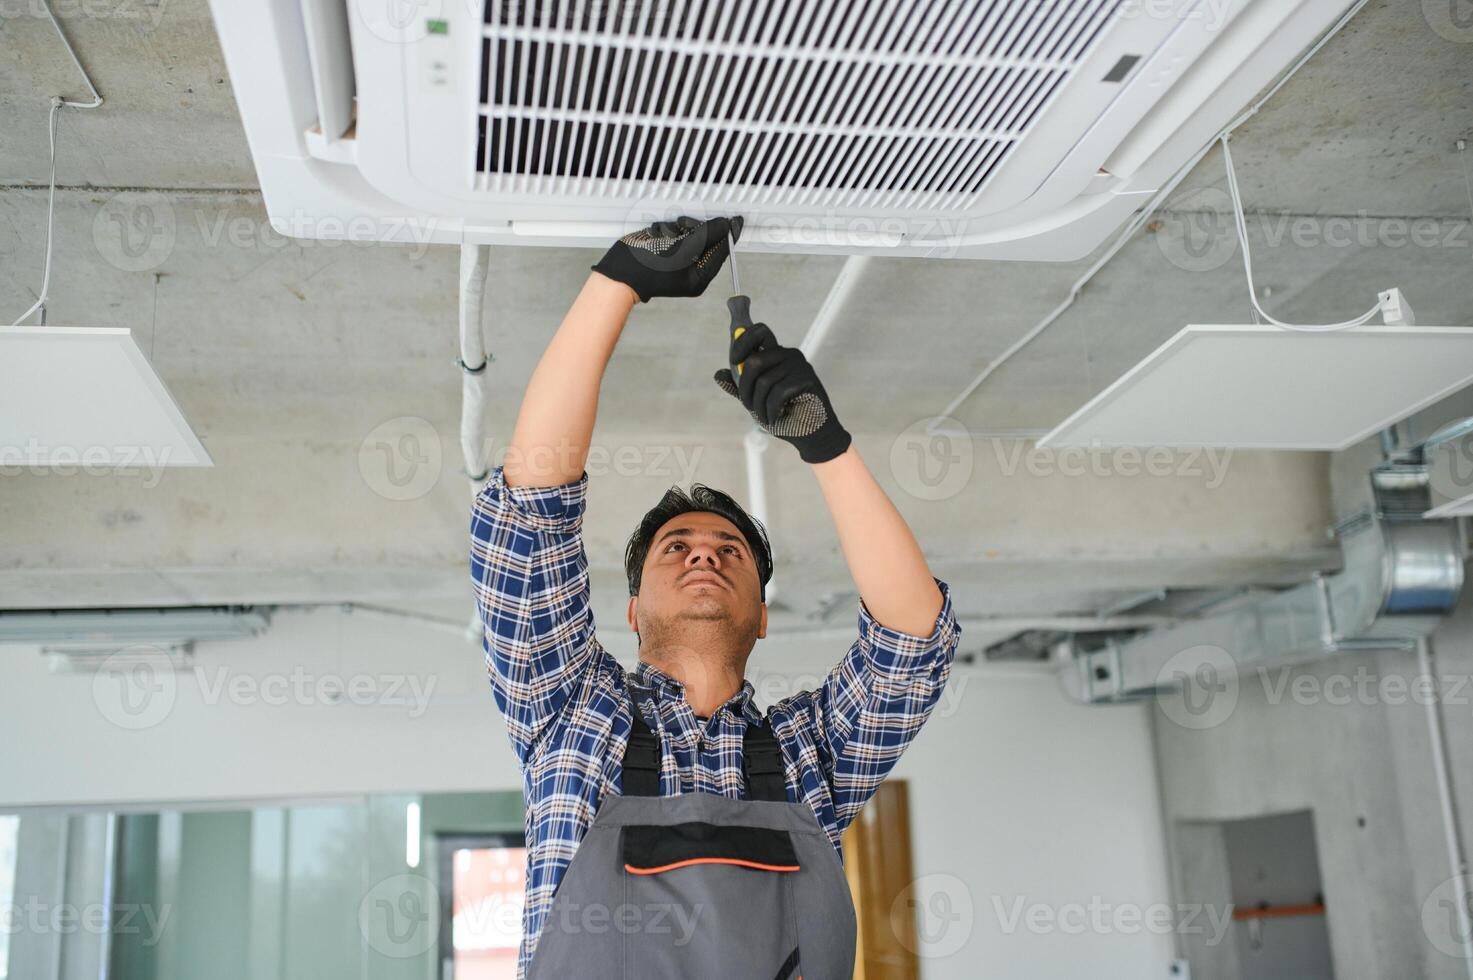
column 530, row 574
column 873, row 703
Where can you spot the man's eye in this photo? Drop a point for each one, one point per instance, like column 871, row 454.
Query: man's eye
column 733, row 549
column 675, row 544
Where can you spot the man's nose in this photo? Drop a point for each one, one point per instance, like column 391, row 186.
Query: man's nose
column 702, row 555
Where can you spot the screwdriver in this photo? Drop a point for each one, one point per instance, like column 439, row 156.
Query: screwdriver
column 739, row 305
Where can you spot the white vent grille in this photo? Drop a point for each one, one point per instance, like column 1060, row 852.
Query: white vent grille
column 908, row 105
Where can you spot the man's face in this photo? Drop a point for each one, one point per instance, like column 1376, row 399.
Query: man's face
column 699, row 569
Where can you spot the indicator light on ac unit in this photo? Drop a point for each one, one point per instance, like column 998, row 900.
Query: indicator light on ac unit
column 437, row 26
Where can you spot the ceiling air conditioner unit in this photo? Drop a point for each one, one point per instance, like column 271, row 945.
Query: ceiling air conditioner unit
column 1009, row 129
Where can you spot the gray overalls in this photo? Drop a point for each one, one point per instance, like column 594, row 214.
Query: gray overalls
column 700, row 885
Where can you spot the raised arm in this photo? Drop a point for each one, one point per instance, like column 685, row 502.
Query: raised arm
column 875, row 700
column 883, row 556
column 527, row 561
column 549, row 446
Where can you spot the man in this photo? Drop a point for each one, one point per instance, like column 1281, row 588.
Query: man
column 674, row 830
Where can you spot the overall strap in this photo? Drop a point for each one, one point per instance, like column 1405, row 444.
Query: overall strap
column 762, row 764
column 762, row 761
column 641, row 758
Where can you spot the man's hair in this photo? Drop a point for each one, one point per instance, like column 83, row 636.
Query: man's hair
column 701, row 498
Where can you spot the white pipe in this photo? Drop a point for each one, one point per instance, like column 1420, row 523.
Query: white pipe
column 756, row 444
column 1447, row 802
column 475, row 260
column 848, row 277
column 756, row 441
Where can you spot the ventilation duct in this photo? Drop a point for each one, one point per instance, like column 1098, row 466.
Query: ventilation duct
column 1402, row 574
column 995, row 129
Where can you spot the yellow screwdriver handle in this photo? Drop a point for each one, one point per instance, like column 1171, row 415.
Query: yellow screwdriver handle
column 741, row 320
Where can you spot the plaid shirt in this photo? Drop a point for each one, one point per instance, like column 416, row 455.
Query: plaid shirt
column 566, row 699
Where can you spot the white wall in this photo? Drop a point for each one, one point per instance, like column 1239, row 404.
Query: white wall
column 1035, row 810
column 271, row 730
column 1016, row 795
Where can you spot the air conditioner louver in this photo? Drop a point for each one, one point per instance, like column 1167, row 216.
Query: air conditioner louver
column 885, row 104
column 1016, row 129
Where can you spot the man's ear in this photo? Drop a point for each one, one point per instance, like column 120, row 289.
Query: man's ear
column 762, row 626
column 633, row 600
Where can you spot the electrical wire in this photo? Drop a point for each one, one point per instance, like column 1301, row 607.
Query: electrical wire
column 1134, row 226
column 57, row 102
column 1467, row 180
column 1241, row 221
column 1142, row 217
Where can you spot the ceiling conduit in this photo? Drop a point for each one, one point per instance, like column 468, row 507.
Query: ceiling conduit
column 1402, row 574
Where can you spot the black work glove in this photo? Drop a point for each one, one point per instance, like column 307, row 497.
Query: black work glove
column 780, row 389
column 670, row 258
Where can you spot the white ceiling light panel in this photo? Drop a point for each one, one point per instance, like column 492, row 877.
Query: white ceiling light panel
column 1263, row 387
column 87, row 397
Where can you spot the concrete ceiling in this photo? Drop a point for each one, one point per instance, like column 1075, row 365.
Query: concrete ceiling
column 298, row 362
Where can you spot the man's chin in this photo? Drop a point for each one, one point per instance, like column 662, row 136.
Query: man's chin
column 705, row 607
